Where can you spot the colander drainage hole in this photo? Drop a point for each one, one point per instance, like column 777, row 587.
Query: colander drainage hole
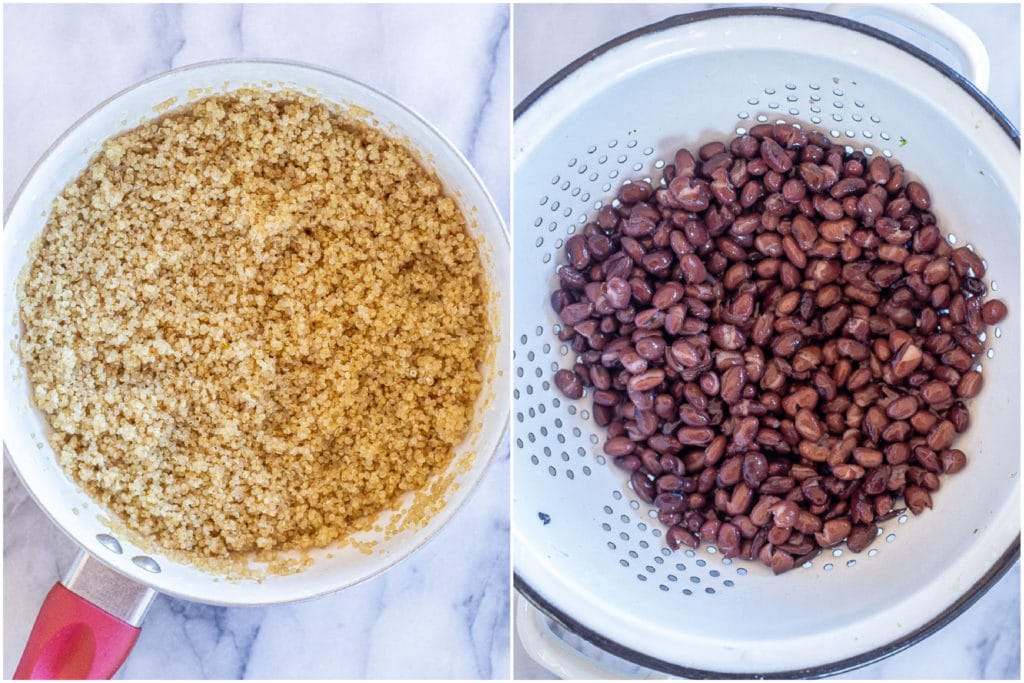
column 709, row 590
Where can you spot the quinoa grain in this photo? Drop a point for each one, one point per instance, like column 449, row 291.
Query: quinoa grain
column 253, row 323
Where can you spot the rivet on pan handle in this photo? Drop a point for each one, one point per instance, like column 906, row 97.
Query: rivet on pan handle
column 87, row 625
column 935, row 24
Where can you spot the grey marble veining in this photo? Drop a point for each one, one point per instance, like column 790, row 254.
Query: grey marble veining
column 984, row 642
column 443, row 613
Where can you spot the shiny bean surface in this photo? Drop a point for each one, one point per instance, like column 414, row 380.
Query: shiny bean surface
column 779, row 342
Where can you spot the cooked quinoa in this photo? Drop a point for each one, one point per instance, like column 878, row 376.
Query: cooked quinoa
column 253, row 323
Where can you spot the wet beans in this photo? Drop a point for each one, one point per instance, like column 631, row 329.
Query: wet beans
column 779, row 341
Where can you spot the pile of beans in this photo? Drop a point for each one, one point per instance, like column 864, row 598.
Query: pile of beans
column 779, row 342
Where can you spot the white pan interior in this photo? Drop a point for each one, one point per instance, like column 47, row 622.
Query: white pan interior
column 583, row 541
column 25, row 427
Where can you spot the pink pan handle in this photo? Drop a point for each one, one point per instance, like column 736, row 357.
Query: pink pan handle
column 73, row 638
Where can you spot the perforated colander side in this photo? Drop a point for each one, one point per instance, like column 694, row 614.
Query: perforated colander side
column 614, row 102
column 589, row 179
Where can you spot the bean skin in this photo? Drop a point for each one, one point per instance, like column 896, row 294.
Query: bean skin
column 779, row 341
column 569, row 383
column 993, row 312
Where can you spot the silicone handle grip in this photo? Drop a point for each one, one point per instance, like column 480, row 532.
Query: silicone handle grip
column 73, row 638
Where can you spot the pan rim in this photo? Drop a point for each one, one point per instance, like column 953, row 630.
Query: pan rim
column 487, row 209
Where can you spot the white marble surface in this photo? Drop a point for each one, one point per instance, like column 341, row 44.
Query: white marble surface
column 443, row 613
column 984, row 642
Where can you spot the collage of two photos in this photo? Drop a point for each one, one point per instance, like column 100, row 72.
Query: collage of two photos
column 683, row 345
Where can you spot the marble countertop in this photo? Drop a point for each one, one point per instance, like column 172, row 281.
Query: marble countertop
column 443, row 613
column 984, row 642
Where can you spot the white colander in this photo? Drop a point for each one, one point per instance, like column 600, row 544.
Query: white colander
column 25, row 428
column 587, row 551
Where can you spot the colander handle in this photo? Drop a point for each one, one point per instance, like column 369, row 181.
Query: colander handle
column 87, row 625
column 936, row 25
column 555, row 655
